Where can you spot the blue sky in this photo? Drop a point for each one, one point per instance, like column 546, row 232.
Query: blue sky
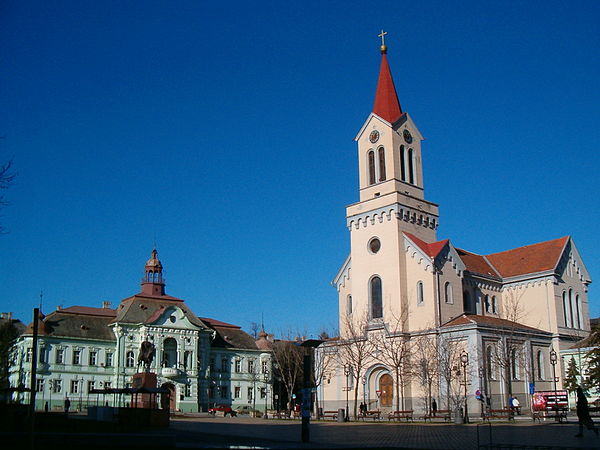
column 224, row 133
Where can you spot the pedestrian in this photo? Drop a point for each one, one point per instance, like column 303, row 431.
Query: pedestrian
column 433, row 407
column 46, row 407
column 67, row 405
column 583, row 414
column 516, row 405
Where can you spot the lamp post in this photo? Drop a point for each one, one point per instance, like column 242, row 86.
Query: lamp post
column 364, row 382
column 553, row 361
column 266, row 378
column 482, row 389
column 346, row 373
column 464, row 361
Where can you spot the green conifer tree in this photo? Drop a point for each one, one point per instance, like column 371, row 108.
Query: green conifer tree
column 571, row 380
column 593, row 360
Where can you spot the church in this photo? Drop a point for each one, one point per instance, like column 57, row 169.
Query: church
column 200, row 361
column 422, row 320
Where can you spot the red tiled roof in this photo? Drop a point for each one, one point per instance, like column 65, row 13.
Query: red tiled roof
column 90, row 311
column 387, row 105
column 529, row 259
column 477, row 263
column 432, row 249
column 466, row 319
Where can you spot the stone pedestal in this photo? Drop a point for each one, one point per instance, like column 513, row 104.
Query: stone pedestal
column 140, row 381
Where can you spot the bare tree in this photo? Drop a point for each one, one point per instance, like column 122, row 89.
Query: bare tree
column 508, row 352
column 356, row 350
column 7, row 176
column 394, row 350
column 448, row 357
column 324, row 361
column 288, row 359
column 425, row 367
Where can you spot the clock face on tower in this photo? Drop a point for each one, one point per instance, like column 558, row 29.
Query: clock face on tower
column 374, row 136
column 407, row 136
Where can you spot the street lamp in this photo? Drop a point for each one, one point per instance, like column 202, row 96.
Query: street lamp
column 464, row 361
column 266, row 378
column 553, row 361
column 483, row 395
column 364, row 382
column 346, row 373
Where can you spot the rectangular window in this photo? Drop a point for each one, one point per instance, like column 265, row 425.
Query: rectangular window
column 42, row 357
column 250, row 392
column 238, row 365
column 186, row 360
column 74, row 386
column 128, row 385
column 76, row 357
column 250, row 366
column 225, row 365
column 91, row 386
column 188, row 390
column 107, row 385
column 93, row 358
column 223, row 391
column 109, row 359
column 60, row 356
column 263, row 392
column 265, row 367
column 28, row 355
column 237, row 392
column 39, row 385
column 57, row 386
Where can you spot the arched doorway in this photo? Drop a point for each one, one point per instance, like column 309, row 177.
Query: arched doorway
column 168, row 401
column 386, row 386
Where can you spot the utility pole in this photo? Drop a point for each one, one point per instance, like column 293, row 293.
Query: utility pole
column 32, row 376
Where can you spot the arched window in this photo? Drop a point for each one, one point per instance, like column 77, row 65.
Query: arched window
column 402, row 163
column 420, row 293
column 376, row 298
column 565, row 309
column 371, row 164
column 571, row 307
column 466, row 301
column 349, row 305
column 577, row 310
column 381, row 152
column 489, row 355
column 487, row 303
column 494, row 305
column 514, row 365
column 411, row 166
column 448, row 292
column 169, row 353
column 130, row 359
column 540, row 365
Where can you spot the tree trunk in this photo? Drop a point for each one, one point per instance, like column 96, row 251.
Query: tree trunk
column 398, row 389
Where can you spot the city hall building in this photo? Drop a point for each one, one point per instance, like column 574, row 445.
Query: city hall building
column 490, row 321
column 201, row 361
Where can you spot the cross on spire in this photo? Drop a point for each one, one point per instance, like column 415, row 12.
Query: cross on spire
column 383, row 46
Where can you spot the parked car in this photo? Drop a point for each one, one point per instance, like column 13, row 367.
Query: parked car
column 247, row 409
column 224, row 409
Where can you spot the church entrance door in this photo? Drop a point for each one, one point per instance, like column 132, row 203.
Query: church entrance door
column 168, row 402
column 386, row 386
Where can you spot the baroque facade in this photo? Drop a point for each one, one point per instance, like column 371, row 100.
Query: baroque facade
column 201, row 361
column 437, row 321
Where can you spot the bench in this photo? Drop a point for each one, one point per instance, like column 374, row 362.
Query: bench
column 329, row 415
column 504, row 413
column 375, row 415
column 439, row 414
column 397, row 415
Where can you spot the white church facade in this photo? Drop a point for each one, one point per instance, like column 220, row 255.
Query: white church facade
column 420, row 319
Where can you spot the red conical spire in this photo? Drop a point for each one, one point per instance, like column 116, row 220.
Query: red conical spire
column 387, row 105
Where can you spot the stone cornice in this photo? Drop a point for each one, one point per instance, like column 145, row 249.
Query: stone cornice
column 395, row 211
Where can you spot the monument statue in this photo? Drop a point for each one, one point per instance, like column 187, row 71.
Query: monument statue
column 146, row 355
